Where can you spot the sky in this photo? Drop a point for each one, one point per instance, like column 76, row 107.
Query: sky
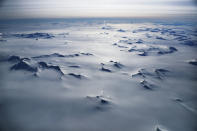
column 94, row 8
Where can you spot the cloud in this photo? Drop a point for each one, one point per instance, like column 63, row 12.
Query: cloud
column 195, row 2
column 93, row 8
column 1, row 2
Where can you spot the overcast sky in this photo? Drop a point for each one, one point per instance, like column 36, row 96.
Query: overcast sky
column 94, row 8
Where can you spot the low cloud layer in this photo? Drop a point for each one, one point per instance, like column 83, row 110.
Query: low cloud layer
column 94, row 8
